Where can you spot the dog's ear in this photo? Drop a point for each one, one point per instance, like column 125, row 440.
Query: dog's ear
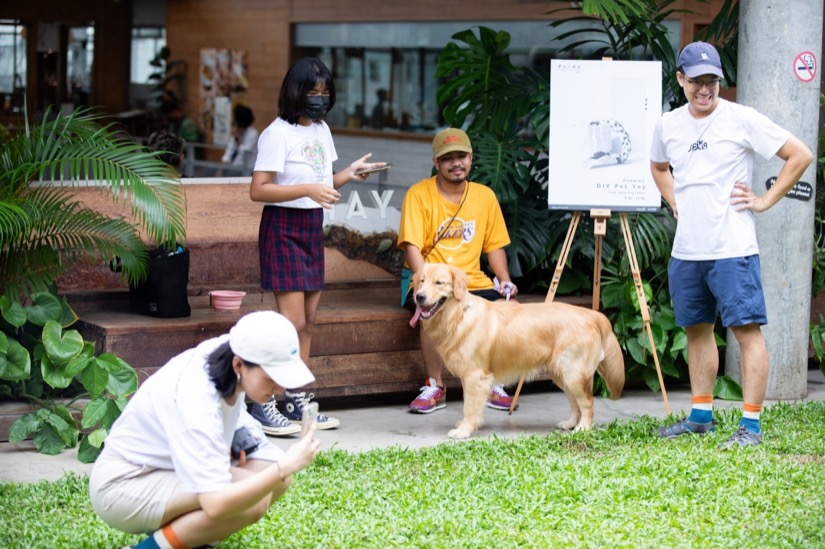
column 414, row 280
column 460, row 282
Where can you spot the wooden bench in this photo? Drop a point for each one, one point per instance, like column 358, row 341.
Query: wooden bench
column 362, row 343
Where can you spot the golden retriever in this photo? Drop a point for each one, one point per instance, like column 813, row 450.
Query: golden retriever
column 484, row 342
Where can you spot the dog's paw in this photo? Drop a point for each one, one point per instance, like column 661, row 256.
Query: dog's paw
column 567, row 425
column 458, row 434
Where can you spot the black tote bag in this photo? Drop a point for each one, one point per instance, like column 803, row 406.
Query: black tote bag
column 164, row 292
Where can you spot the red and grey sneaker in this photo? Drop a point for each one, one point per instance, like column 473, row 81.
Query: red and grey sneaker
column 500, row 400
column 433, row 397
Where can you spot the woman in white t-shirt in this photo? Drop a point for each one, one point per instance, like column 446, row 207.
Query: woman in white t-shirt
column 293, row 177
column 185, row 462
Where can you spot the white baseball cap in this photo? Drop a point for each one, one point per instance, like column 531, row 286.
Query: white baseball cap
column 269, row 340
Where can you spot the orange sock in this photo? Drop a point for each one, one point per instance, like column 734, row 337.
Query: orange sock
column 172, row 538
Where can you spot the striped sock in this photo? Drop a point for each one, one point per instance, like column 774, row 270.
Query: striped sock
column 750, row 417
column 164, row 538
column 701, row 410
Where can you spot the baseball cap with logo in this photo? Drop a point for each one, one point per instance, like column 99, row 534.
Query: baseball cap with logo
column 450, row 140
column 269, row 340
column 700, row 58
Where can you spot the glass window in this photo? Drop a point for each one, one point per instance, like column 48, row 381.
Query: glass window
column 80, row 54
column 385, row 72
column 146, row 43
column 12, row 64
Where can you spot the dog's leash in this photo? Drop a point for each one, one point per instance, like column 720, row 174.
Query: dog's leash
column 508, row 288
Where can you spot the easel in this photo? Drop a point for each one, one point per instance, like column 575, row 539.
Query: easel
column 600, row 217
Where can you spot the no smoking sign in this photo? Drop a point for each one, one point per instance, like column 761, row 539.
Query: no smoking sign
column 804, row 66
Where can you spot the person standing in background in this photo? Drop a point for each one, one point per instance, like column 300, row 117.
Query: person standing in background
column 714, row 268
column 293, row 177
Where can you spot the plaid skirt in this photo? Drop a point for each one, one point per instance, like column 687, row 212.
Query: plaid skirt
column 291, row 247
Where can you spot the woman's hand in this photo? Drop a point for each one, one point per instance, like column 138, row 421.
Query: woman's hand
column 362, row 164
column 324, row 195
column 301, row 454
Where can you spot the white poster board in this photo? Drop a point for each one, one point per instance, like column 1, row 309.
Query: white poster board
column 602, row 116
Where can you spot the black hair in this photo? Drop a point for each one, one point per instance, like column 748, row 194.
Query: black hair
column 169, row 144
column 300, row 79
column 221, row 372
column 243, row 116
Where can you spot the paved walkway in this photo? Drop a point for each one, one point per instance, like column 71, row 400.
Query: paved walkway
column 366, row 425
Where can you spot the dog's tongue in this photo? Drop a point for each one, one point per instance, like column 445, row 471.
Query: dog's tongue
column 414, row 319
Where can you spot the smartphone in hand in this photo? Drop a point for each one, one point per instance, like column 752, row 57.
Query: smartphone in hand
column 309, row 416
column 386, row 166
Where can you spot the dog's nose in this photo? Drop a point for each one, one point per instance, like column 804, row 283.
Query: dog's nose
column 420, row 298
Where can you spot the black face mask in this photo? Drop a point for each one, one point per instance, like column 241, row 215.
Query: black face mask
column 316, row 106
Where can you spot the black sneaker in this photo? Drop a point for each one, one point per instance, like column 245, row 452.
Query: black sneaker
column 272, row 421
column 294, row 411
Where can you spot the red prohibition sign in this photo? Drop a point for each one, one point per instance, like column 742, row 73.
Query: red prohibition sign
column 804, row 66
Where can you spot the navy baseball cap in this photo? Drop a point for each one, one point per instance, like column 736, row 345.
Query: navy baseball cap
column 700, row 58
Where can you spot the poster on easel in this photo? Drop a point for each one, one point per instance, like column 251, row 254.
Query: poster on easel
column 602, row 117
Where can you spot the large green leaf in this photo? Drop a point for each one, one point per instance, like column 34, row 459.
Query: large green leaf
column 726, row 388
column 61, row 347
column 91, row 446
column 24, row 427
column 123, row 380
column 46, row 307
column 94, row 378
column 12, row 311
column 15, row 361
column 100, row 411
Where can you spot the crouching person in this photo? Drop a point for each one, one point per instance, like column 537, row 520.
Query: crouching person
column 185, row 462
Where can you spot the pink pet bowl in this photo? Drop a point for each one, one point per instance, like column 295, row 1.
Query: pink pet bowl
column 226, row 300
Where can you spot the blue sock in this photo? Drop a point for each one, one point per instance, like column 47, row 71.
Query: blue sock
column 148, row 543
column 700, row 416
column 751, row 425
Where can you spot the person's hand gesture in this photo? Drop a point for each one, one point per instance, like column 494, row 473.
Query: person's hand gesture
column 324, row 195
column 362, row 164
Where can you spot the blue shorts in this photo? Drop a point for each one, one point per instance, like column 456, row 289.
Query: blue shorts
column 730, row 288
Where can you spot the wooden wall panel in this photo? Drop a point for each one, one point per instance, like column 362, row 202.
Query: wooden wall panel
column 259, row 27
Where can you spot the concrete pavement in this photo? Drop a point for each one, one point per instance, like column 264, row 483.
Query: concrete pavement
column 383, row 421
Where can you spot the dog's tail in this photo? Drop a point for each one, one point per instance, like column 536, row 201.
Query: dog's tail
column 611, row 368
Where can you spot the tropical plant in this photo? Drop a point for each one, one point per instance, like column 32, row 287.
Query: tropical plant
column 42, row 362
column 630, row 30
column 44, row 230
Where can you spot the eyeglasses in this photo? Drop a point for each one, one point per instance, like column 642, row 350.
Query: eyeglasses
column 699, row 83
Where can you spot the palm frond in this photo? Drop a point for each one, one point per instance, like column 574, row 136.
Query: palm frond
column 41, row 166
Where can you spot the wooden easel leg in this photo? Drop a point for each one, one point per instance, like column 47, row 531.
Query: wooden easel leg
column 554, row 284
column 640, row 294
column 600, row 218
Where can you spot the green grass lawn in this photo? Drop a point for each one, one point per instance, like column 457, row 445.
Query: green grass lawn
column 615, row 486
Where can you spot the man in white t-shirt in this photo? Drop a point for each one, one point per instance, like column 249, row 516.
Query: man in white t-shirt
column 709, row 144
